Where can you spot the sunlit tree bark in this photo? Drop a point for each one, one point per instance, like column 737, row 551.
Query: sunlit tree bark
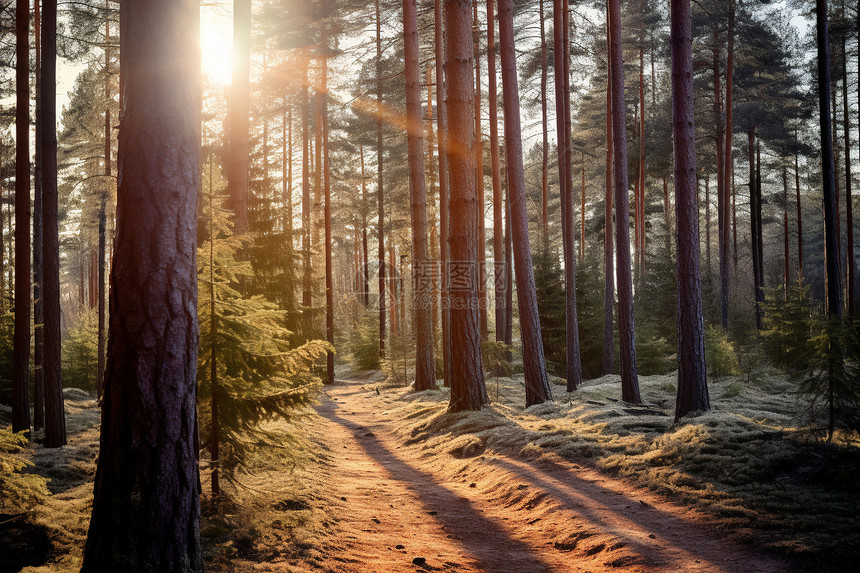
column 238, row 116
column 468, row 391
column 55, row 420
column 534, row 365
column 425, row 361
column 146, row 507
column 21, row 345
column 692, row 385
column 626, row 334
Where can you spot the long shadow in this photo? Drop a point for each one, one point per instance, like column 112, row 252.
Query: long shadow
column 471, row 529
column 671, row 530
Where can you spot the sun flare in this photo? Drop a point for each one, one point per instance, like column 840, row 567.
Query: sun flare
column 216, row 42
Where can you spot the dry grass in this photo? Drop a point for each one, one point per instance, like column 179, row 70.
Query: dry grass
column 746, row 463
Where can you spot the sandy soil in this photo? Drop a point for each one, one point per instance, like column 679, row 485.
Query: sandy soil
column 403, row 510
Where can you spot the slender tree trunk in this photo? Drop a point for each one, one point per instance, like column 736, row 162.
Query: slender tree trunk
column 38, row 308
column 306, row 184
column 329, row 275
column 755, row 228
column 582, row 211
column 380, row 196
column 146, row 507
column 287, row 168
column 468, row 391
column 641, row 186
column 55, row 420
column 728, row 173
column 239, row 110
column 722, row 194
column 849, row 207
column 498, row 207
column 799, row 216
column 509, row 270
column 215, row 443
column 534, row 366
column 707, row 224
column 608, row 243
column 425, row 361
column 626, row 334
column 544, row 129
column 479, row 174
column 442, row 146
column 828, row 171
column 692, row 384
column 21, row 353
column 573, row 367
column 103, row 215
column 785, row 274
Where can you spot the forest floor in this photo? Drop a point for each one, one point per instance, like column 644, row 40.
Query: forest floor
column 384, row 479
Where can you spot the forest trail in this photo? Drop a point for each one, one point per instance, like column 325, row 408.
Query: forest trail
column 399, row 504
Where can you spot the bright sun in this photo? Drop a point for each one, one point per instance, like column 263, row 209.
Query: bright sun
column 216, row 42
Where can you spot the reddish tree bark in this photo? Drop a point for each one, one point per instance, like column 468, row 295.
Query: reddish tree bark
column 442, row 146
column 55, row 420
column 479, row 177
column 38, row 307
column 425, row 361
column 573, row 366
column 21, row 344
column 498, row 207
column 146, row 507
column 626, row 334
column 534, row 365
column 468, row 391
column 692, row 384
column 544, row 129
column 380, row 196
column 608, row 244
column 329, row 275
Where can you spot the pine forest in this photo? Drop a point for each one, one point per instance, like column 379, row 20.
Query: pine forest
column 477, row 286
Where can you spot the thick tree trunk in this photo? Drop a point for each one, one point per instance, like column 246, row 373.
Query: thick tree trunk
column 467, row 377
column 55, row 420
column 608, row 243
column 21, row 352
column 425, row 360
column 828, row 171
column 380, row 196
column 573, row 367
column 498, row 207
column 534, row 366
column 38, row 308
column 442, row 146
column 692, row 384
column 146, row 508
column 626, row 334
column 239, row 110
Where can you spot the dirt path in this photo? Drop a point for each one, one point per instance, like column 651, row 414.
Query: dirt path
column 400, row 506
